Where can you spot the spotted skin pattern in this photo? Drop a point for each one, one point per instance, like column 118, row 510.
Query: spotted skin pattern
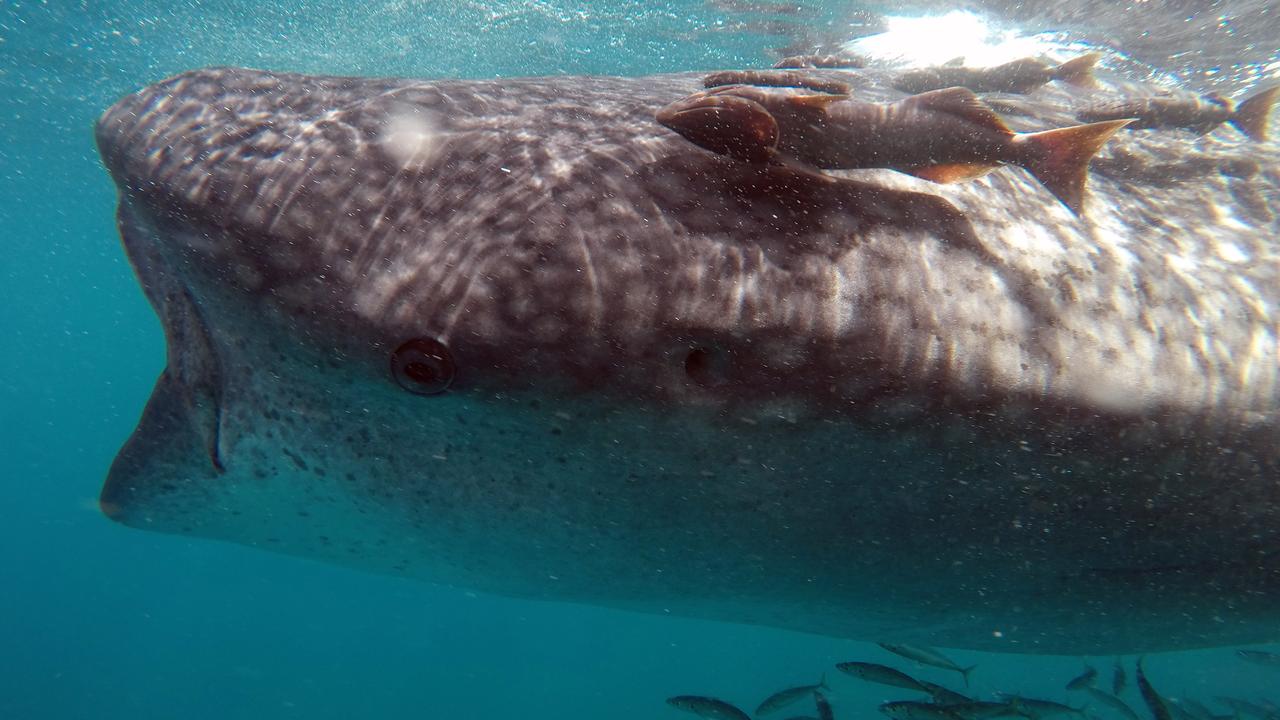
column 874, row 407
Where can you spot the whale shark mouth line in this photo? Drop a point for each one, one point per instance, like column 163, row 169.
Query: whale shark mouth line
column 193, row 362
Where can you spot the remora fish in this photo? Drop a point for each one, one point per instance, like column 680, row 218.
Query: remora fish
column 883, row 674
column 1260, row 657
column 1118, row 679
column 820, row 61
column 911, row 710
column 824, row 706
column 1019, row 76
column 1037, row 709
column 1156, row 704
column 513, row 336
column 783, row 698
column 1112, row 702
column 707, row 707
column 929, row 656
column 942, row 695
column 981, row 710
column 944, row 136
column 1199, row 115
column 1084, row 679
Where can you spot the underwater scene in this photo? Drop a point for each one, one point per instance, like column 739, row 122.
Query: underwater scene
column 700, row 358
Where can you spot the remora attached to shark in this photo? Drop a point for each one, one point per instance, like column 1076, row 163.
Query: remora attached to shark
column 516, row 336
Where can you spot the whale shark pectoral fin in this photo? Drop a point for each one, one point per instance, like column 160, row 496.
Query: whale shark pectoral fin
column 953, row 172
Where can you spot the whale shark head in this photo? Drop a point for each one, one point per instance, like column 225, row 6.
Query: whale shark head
column 517, row 337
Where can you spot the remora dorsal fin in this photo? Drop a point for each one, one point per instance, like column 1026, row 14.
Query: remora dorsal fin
column 1078, row 71
column 961, row 102
column 1253, row 114
column 953, row 172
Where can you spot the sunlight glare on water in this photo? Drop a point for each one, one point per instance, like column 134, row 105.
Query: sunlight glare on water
column 922, row 41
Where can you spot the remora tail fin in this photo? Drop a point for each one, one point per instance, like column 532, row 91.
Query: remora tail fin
column 1078, row 71
column 1059, row 159
column 1253, row 114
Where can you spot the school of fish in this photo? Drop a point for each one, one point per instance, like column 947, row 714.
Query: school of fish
column 935, row 702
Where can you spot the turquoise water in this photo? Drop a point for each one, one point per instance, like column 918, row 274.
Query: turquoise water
column 97, row 620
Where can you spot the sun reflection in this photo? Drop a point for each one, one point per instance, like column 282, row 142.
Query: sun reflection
column 937, row 39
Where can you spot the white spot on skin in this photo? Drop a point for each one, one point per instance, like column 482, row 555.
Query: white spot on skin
column 411, row 138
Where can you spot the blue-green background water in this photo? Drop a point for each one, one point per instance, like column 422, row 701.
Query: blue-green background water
column 100, row 621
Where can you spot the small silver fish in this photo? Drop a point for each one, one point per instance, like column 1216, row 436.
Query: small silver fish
column 929, row 656
column 1155, row 703
column 1084, row 679
column 910, row 710
column 883, row 674
column 707, row 707
column 943, row 696
column 1119, row 706
column 1260, row 657
column 982, row 710
column 783, row 698
column 1118, row 678
column 1038, row 709
column 824, row 707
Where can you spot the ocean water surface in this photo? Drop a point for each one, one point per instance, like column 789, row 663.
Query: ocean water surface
column 101, row 621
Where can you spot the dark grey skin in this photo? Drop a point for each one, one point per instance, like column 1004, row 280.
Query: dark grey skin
column 682, row 383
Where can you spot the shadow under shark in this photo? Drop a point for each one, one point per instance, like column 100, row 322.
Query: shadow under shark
column 516, row 336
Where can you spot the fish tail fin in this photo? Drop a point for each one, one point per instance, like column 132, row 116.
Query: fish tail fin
column 1253, row 114
column 964, row 673
column 1079, row 71
column 1059, row 159
column 822, row 682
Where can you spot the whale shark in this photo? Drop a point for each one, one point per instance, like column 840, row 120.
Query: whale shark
column 517, row 337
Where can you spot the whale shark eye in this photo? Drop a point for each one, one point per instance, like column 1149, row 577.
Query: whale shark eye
column 423, row 366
